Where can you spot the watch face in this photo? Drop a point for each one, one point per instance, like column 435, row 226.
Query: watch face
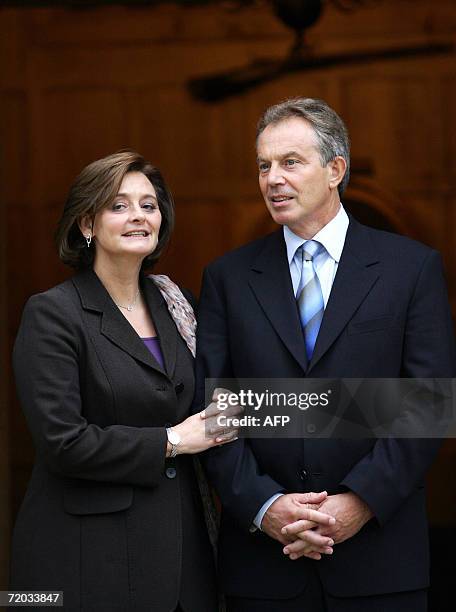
column 173, row 437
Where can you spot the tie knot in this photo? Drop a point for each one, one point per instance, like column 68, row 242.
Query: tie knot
column 311, row 249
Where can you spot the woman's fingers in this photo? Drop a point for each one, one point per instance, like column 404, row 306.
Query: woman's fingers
column 214, row 428
column 228, row 436
column 220, row 424
column 220, row 406
column 220, row 418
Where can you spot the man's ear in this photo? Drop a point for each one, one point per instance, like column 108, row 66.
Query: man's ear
column 337, row 168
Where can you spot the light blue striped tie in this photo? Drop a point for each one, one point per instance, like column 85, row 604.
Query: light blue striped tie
column 309, row 295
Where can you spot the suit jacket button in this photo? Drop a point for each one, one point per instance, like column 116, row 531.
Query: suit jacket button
column 303, row 474
column 179, row 387
column 171, row 472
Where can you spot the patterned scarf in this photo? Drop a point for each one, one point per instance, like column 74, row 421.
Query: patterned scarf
column 179, row 309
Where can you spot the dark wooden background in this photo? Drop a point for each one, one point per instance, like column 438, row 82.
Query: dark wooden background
column 79, row 84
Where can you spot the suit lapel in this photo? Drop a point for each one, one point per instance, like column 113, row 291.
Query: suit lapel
column 271, row 283
column 356, row 274
column 118, row 330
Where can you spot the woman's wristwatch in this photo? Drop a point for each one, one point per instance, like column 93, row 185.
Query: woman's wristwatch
column 174, row 439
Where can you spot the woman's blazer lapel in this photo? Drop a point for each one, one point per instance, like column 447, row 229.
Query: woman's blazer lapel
column 164, row 325
column 111, row 323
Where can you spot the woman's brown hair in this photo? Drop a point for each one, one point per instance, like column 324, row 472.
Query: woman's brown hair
column 96, row 187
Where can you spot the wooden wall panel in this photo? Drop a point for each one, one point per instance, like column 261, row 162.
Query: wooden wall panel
column 204, row 150
column 185, row 138
column 449, row 253
column 79, row 84
column 385, row 22
column 396, row 122
column 160, row 24
column 200, row 236
column 287, row 86
column 77, row 125
column 431, row 225
column 449, row 126
column 16, row 194
column 14, row 164
column 13, row 58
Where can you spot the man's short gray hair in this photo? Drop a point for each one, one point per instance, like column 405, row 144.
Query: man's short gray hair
column 330, row 130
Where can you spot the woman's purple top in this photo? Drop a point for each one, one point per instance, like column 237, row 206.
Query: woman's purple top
column 153, row 344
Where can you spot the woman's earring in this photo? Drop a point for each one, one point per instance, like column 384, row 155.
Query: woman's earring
column 88, row 239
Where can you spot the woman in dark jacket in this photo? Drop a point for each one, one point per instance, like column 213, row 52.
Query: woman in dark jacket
column 112, row 515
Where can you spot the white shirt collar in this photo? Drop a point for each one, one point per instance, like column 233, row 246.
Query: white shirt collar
column 331, row 236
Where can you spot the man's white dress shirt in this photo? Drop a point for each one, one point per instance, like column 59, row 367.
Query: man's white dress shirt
column 332, row 237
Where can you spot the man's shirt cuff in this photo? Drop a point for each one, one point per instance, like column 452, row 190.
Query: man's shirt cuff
column 262, row 511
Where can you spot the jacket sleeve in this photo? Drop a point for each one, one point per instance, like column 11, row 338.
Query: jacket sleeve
column 46, row 360
column 232, row 469
column 395, row 467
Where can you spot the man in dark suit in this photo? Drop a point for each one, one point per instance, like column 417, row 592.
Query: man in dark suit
column 322, row 297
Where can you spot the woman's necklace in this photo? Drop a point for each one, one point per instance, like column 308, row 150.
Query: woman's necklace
column 129, row 307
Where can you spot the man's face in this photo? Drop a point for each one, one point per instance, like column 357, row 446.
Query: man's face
column 298, row 191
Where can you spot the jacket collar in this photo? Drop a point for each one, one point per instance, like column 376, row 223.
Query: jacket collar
column 115, row 327
column 357, row 273
column 271, row 282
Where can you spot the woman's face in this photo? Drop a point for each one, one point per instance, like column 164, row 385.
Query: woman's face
column 129, row 227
